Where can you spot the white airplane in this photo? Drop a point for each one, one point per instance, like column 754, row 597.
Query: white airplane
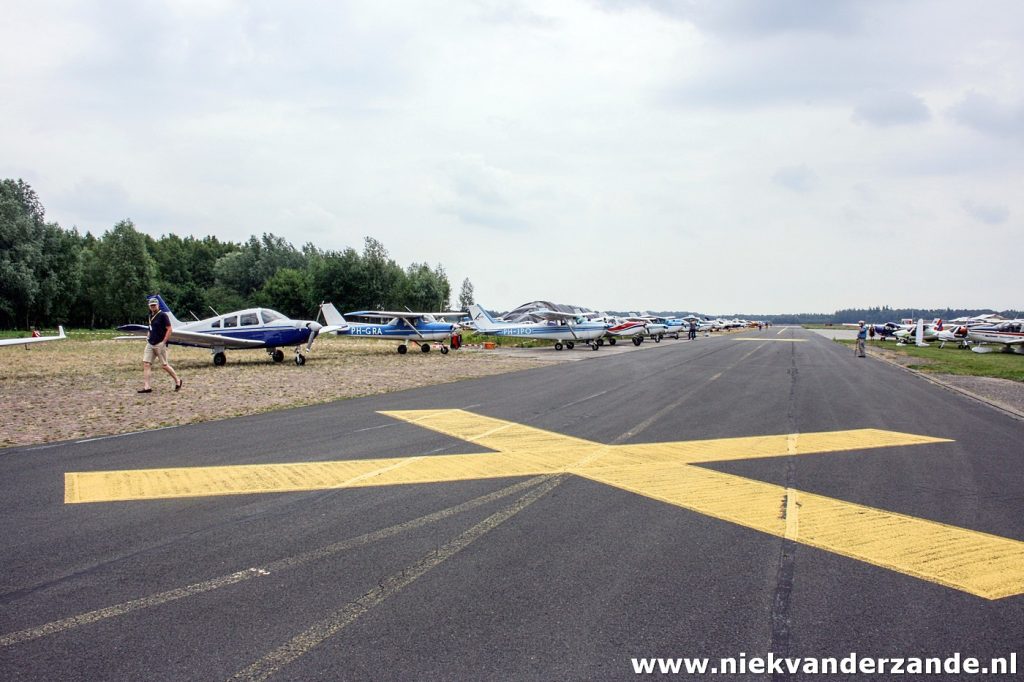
column 1009, row 334
column 957, row 335
column 654, row 327
column 565, row 329
column 34, row 339
column 243, row 329
column 404, row 327
column 920, row 332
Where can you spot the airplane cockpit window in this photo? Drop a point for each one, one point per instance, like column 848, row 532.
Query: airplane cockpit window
column 271, row 316
column 231, row 321
column 216, row 324
column 250, row 319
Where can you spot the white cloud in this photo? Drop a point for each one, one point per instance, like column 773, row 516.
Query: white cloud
column 987, row 115
column 987, row 213
column 889, row 108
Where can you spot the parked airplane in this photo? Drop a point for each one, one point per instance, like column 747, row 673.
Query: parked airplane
column 405, row 327
column 243, row 329
column 920, row 332
column 34, row 339
column 565, row 329
column 1009, row 334
column 629, row 329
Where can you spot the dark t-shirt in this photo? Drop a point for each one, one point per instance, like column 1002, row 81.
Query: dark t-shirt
column 158, row 325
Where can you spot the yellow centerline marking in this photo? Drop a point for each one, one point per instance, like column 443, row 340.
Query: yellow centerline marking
column 978, row 563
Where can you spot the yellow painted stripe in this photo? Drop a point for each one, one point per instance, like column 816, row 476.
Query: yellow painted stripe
column 981, row 564
column 757, row 447
column 147, row 484
column 984, row 565
column 554, row 449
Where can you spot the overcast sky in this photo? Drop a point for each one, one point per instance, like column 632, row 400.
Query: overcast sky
column 719, row 156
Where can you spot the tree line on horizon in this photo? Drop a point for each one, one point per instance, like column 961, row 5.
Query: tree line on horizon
column 50, row 275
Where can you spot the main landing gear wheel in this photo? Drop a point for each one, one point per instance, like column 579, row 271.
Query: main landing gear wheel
column 277, row 355
column 611, row 342
column 219, row 359
column 558, row 345
column 424, row 347
column 657, row 339
column 570, row 345
column 595, row 346
column 300, row 359
column 402, row 349
column 637, row 340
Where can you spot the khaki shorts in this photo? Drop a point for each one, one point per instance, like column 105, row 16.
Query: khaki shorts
column 158, row 351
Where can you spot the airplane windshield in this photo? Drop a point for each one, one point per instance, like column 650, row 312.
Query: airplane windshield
column 271, row 316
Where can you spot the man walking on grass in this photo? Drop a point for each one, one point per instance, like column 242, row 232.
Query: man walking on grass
column 156, row 346
column 862, row 337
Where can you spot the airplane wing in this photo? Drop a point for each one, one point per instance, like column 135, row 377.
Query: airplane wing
column 554, row 315
column 34, row 339
column 187, row 338
column 388, row 314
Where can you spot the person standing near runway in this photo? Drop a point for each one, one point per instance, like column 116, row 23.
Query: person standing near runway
column 862, row 337
column 156, row 346
column 692, row 335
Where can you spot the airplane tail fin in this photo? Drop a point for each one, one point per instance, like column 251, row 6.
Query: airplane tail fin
column 335, row 320
column 175, row 322
column 480, row 318
column 919, row 336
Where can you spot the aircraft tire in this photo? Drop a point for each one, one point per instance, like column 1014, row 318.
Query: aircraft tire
column 402, row 349
column 558, row 346
column 570, row 345
column 277, row 355
column 300, row 359
column 637, row 340
column 424, row 347
column 595, row 346
column 657, row 339
column 444, row 350
column 611, row 342
column 219, row 359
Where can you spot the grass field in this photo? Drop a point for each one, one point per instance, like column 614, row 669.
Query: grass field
column 86, row 386
column 950, row 360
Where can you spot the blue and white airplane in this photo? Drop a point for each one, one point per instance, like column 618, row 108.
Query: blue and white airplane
column 405, row 327
column 565, row 329
column 34, row 339
column 251, row 328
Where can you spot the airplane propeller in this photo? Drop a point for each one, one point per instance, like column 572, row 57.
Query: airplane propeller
column 314, row 329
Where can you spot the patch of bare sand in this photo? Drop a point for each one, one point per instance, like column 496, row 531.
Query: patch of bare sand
column 83, row 389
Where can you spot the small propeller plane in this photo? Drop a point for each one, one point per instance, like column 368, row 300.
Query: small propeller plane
column 404, row 327
column 251, row 328
column 34, row 339
column 1009, row 334
column 565, row 329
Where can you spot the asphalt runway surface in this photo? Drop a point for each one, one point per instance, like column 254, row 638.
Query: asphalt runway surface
column 737, row 496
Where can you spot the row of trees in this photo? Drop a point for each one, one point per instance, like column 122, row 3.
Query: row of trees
column 49, row 275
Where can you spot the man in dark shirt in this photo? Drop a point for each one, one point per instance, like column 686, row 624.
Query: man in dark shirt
column 156, row 346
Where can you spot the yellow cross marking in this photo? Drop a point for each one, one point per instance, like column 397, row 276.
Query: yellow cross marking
column 981, row 564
